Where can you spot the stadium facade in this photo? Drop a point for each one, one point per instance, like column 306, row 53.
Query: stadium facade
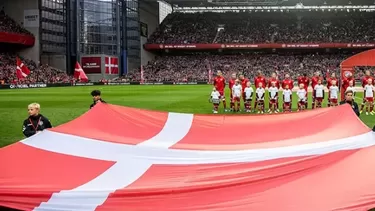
column 66, row 31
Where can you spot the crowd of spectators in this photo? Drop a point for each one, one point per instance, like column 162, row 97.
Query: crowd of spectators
column 266, row 27
column 194, row 67
column 185, row 28
column 7, row 24
column 197, row 67
column 38, row 73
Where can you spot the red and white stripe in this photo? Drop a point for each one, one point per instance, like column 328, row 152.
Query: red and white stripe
column 19, row 68
column 22, row 70
column 79, row 74
column 145, row 160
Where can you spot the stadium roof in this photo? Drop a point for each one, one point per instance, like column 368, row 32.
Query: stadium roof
column 213, row 3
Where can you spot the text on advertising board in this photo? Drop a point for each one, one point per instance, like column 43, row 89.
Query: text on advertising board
column 91, row 64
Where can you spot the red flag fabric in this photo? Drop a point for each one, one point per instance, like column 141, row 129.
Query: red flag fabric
column 22, row 70
column 187, row 162
column 79, row 74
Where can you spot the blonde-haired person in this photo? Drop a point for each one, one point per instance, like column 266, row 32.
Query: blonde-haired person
column 36, row 122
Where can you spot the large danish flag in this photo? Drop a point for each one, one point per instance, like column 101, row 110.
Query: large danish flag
column 119, row 158
column 111, row 65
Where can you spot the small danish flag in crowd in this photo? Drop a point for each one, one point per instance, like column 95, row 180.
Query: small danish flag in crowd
column 79, row 74
column 209, row 71
column 142, row 74
column 22, row 70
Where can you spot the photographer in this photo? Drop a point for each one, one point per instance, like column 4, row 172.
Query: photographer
column 349, row 99
column 36, row 122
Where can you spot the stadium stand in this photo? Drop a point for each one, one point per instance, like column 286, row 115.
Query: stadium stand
column 266, row 27
column 186, row 28
column 196, row 67
column 39, row 73
column 193, row 68
column 336, row 26
column 7, row 24
column 229, row 27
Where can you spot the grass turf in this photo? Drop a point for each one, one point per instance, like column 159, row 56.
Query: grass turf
column 63, row 104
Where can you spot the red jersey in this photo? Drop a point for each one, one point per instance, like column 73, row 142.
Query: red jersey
column 258, row 80
column 345, row 83
column 274, row 80
column 329, row 82
column 243, row 83
column 231, row 83
column 288, row 82
column 364, row 80
column 305, row 81
column 219, row 83
column 314, row 81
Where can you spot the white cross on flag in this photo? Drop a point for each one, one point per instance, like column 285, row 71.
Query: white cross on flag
column 22, row 70
column 139, row 160
column 111, row 65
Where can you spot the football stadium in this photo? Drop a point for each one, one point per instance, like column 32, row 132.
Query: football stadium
column 187, row 105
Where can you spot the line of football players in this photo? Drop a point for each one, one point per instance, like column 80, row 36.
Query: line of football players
column 241, row 90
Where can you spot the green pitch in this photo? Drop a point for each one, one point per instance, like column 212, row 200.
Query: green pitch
column 63, row 104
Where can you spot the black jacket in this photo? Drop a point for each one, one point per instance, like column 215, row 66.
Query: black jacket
column 95, row 102
column 35, row 123
column 354, row 106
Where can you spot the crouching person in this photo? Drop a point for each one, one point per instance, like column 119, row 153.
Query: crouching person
column 36, row 122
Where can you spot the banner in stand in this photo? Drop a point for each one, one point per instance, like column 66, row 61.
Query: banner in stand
column 28, row 86
column 257, row 46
